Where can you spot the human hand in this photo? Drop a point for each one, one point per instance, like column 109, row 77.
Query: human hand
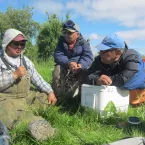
column 104, row 80
column 20, row 72
column 78, row 68
column 72, row 66
column 51, row 98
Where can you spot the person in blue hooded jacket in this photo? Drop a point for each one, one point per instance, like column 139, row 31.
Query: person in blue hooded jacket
column 72, row 56
column 116, row 65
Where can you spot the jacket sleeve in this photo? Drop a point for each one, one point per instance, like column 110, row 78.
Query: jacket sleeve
column 131, row 64
column 6, row 77
column 93, row 72
column 86, row 58
column 37, row 79
column 6, row 80
column 60, row 57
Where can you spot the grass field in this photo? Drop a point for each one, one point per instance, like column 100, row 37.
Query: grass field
column 76, row 125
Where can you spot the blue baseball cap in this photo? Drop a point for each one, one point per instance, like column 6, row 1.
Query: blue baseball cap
column 111, row 41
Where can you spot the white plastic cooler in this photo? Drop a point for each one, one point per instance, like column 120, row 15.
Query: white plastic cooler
column 97, row 97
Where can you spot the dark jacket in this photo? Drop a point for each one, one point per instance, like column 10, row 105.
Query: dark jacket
column 81, row 53
column 128, row 73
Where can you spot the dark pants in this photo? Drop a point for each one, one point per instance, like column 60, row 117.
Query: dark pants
column 65, row 83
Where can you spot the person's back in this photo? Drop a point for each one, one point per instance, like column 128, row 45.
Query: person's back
column 137, row 66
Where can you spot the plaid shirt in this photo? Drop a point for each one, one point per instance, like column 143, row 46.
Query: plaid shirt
column 7, row 77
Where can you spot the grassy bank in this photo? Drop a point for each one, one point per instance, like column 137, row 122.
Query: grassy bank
column 76, row 125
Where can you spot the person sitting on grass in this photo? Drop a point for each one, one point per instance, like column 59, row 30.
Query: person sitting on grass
column 72, row 56
column 16, row 97
column 116, row 65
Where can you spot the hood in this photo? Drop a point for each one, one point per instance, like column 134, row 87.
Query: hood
column 9, row 35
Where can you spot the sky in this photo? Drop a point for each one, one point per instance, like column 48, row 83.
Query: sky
column 96, row 18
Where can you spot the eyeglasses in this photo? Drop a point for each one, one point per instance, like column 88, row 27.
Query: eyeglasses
column 20, row 45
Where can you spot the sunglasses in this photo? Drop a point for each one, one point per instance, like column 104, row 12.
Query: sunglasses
column 16, row 45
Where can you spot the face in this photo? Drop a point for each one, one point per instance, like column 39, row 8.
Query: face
column 110, row 56
column 15, row 48
column 70, row 37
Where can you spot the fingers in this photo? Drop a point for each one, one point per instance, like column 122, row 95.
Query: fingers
column 20, row 72
column 72, row 66
column 79, row 66
column 51, row 98
column 104, row 80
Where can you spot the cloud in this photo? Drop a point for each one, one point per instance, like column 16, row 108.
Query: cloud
column 129, row 36
column 49, row 6
column 128, row 13
column 132, row 35
column 94, row 36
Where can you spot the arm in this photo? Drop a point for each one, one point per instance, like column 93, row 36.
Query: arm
column 39, row 82
column 8, row 77
column 86, row 58
column 60, row 57
column 94, row 72
column 6, row 80
column 37, row 79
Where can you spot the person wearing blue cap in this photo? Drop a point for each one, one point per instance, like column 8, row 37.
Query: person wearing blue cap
column 72, row 56
column 117, row 65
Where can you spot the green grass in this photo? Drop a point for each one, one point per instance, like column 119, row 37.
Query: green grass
column 83, row 127
column 45, row 69
column 77, row 125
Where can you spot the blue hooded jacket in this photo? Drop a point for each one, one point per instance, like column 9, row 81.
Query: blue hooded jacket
column 81, row 53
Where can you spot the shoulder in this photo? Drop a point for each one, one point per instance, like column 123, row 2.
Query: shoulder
column 1, row 55
column 97, row 59
column 131, row 51
column 29, row 63
column 61, row 40
column 83, row 43
column 1, row 63
column 1, row 52
column 81, row 40
column 131, row 54
column 61, row 44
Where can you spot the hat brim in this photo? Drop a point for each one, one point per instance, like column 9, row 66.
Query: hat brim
column 71, row 30
column 20, row 38
column 103, row 47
